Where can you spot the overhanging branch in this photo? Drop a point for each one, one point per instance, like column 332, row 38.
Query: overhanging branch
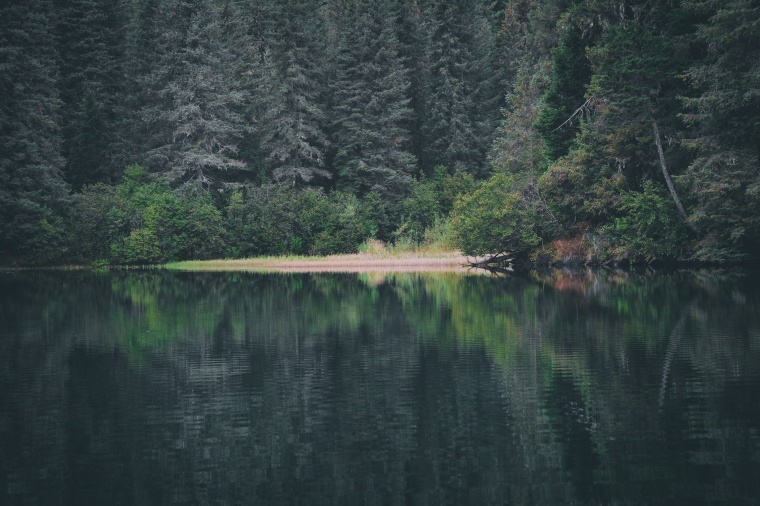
column 581, row 111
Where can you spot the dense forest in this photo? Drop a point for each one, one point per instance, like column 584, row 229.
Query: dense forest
column 140, row 131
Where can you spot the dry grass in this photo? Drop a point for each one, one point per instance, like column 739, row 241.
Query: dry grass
column 380, row 260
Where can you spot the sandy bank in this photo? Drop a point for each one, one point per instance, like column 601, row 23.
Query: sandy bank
column 337, row 263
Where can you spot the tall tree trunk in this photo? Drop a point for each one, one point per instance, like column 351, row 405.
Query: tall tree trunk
column 665, row 173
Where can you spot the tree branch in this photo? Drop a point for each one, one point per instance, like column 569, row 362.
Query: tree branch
column 578, row 112
column 665, row 173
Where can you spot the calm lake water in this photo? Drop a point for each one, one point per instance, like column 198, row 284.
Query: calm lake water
column 238, row 388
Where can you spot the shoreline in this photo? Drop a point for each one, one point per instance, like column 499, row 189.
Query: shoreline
column 358, row 262
column 381, row 261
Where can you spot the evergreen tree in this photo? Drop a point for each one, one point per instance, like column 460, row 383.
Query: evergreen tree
column 412, row 49
column 634, row 75
column 90, row 36
column 195, row 111
column 518, row 151
column 372, row 114
column 631, row 93
column 141, row 54
column 725, row 117
column 255, row 28
column 556, row 122
column 458, row 100
column 292, row 120
column 32, row 189
column 526, row 37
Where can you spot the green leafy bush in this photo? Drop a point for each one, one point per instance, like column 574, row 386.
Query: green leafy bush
column 493, row 219
column 430, row 202
column 348, row 226
column 276, row 220
column 649, row 227
column 94, row 222
column 142, row 221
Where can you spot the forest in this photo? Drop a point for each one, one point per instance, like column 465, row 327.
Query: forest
column 143, row 131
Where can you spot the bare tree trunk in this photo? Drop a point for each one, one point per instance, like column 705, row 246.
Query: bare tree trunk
column 665, row 173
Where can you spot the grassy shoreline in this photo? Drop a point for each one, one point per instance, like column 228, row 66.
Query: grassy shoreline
column 358, row 262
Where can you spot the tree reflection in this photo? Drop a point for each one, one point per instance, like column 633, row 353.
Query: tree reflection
column 558, row 387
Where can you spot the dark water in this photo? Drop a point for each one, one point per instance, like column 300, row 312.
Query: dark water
column 172, row 388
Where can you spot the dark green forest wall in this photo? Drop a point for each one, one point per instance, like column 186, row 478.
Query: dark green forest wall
column 137, row 131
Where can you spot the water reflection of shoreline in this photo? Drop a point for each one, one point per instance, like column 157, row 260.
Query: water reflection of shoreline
column 340, row 387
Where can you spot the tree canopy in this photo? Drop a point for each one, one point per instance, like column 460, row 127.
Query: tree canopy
column 630, row 128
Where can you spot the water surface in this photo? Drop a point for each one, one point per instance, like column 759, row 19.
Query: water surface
column 234, row 388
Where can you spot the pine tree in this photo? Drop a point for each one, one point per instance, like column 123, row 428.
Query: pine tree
column 725, row 118
column 635, row 64
column 372, row 114
column 142, row 35
column 412, row 48
column 195, row 111
column 458, row 102
column 571, row 72
column 32, row 190
column 90, row 36
column 292, row 121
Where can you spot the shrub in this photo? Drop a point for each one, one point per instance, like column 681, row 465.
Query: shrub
column 494, row 219
column 649, row 228
column 430, row 201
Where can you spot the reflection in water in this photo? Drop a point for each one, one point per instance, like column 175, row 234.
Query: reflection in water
column 237, row 388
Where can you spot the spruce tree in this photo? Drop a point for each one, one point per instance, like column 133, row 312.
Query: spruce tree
column 525, row 38
column 142, row 35
column 371, row 140
column 456, row 132
column 91, row 41
column 32, row 189
column 292, row 119
column 571, row 72
column 195, row 109
column 412, row 23
column 723, row 112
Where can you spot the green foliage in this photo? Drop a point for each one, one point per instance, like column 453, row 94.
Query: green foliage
column 266, row 221
column 371, row 140
column 94, row 221
column 142, row 222
column 358, row 98
column 493, row 219
column 33, row 193
column 430, row 202
column 276, row 220
column 649, row 227
column 723, row 112
column 346, row 230
column 419, row 210
column 581, row 188
column 140, row 247
column 570, row 75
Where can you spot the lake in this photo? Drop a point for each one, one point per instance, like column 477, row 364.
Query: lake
column 149, row 387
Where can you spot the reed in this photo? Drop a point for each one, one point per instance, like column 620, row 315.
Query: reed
column 380, row 259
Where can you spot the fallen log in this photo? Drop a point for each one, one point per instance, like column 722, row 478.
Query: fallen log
column 498, row 260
